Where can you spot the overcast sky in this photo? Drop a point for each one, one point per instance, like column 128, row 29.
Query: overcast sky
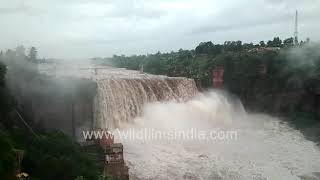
column 89, row 28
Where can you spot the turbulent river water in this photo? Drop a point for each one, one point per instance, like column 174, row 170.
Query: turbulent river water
column 174, row 132
column 264, row 148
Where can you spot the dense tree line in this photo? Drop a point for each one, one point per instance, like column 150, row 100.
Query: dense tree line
column 241, row 60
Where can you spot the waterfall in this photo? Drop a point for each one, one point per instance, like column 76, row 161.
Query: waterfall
column 120, row 99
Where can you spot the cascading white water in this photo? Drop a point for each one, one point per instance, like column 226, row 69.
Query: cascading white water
column 120, row 99
column 265, row 148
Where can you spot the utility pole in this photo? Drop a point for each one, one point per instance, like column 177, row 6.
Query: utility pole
column 296, row 40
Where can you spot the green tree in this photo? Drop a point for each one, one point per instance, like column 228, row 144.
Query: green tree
column 288, row 42
column 5, row 98
column 21, row 51
column 204, row 48
column 3, row 71
column 7, row 158
column 33, row 54
column 276, row 42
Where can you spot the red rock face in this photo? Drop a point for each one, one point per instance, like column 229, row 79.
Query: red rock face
column 217, row 77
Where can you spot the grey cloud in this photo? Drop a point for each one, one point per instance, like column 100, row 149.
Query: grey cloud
column 136, row 13
column 125, row 9
column 21, row 8
column 245, row 24
column 85, row 28
column 290, row 1
column 229, row 27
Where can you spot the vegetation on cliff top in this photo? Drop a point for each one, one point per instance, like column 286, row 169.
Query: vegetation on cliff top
column 287, row 66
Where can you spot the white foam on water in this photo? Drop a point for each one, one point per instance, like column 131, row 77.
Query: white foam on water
column 266, row 147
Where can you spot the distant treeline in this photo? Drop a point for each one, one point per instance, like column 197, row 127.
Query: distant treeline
column 241, row 61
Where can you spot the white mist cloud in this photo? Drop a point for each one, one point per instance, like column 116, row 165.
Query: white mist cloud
column 86, row 28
